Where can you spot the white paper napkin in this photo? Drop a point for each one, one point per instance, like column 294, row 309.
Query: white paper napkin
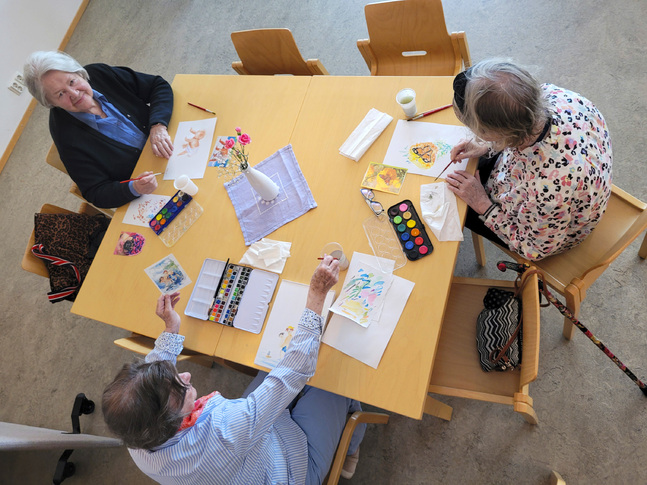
column 365, row 134
column 440, row 212
column 267, row 254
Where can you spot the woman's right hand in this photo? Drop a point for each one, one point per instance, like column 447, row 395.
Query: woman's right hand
column 468, row 149
column 147, row 184
column 324, row 278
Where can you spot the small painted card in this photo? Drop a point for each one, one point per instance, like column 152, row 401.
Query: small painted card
column 129, row 244
column 168, row 275
column 384, row 178
column 362, row 297
column 220, row 155
column 141, row 210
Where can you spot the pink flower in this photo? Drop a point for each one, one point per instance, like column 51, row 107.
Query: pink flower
column 230, row 143
column 238, row 130
column 244, row 139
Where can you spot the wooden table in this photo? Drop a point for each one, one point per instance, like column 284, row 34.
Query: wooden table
column 316, row 115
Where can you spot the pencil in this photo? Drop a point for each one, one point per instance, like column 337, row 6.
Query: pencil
column 138, row 178
column 200, row 107
column 430, row 112
column 336, row 259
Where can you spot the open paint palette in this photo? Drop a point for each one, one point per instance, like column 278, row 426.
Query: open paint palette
column 170, row 211
column 231, row 294
column 410, row 230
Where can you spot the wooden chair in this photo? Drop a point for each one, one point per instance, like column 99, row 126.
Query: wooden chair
column 457, row 371
column 54, row 159
column 342, row 449
column 271, row 51
column 572, row 272
column 36, row 265
column 142, row 345
column 409, row 38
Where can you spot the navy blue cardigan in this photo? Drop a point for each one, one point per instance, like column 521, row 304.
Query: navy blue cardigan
column 96, row 162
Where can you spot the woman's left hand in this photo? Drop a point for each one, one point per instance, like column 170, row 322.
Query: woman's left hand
column 161, row 141
column 468, row 187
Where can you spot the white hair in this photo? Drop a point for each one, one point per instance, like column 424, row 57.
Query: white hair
column 40, row 63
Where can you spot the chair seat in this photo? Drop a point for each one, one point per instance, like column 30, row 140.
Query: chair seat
column 457, row 364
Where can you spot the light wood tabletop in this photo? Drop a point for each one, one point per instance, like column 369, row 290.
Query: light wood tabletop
column 315, row 115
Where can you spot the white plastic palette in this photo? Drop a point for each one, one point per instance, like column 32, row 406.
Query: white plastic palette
column 253, row 305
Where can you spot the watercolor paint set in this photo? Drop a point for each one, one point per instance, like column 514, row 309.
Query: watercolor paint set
column 410, row 230
column 232, row 294
column 170, row 211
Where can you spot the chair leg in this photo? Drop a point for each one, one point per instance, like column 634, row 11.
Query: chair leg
column 523, row 406
column 479, row 249
column 642, row 252
column 438, row 409
column 556, row 479
column 573, row 302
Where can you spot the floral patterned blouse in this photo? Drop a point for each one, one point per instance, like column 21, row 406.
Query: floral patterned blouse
column 553, row 193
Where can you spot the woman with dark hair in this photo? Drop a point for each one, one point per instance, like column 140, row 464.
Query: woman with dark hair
column 278, row 432
column 100, row 118
column 544, row 174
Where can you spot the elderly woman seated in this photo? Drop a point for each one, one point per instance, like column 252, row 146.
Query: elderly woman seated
column 544, row 174
column 278, row 432
column 100, row 119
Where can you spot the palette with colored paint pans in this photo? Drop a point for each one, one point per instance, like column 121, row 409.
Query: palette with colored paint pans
column 170, row 211
column 410, row 230
column 241, row 300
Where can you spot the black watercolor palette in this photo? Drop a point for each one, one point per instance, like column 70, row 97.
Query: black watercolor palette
column 410, row 230
column 228, row 296
column 169, row 212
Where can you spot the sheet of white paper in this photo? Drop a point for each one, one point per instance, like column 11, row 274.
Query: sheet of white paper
column 286, row 311
column 362, row 294
column 424, row 148
column 368, row 344
column 141, row 210
column 191, row 149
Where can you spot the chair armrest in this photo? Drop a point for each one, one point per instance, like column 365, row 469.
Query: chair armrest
column 364, row 46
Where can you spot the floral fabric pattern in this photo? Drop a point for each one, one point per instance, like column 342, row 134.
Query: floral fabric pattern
column 553, row 193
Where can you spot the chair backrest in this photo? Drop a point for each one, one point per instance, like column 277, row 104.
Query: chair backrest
column 271, row 51
column 623, row 221
column 399, row 28
column 54, row 159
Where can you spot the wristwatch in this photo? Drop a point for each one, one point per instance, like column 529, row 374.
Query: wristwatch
column 489, row 210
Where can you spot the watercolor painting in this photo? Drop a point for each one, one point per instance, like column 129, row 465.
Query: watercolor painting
column 141, row 210
column 220, row 155
column 384, row 178
column 192, row 144
column 129, row 244
column 168, row 275
column 362, row 296
column 424, row 148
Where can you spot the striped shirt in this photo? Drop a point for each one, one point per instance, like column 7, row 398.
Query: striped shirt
column 241, row 441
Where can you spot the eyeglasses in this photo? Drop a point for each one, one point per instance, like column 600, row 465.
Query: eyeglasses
column 369, row 197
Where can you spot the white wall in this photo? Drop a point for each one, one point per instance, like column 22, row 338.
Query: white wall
column 26, row 26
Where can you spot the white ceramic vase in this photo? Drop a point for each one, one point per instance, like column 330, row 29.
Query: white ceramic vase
column 261, row 183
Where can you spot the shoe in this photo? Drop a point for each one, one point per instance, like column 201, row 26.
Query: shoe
column 350, row 463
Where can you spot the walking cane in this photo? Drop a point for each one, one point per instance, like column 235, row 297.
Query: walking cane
column 520, row 268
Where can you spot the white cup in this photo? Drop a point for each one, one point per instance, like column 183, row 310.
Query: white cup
column 336, row 251
column 186, row 185
column 406, row 98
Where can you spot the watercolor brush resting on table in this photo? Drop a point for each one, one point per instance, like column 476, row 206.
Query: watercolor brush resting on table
column 279, row 431
column 100, row 119
column 544, row 174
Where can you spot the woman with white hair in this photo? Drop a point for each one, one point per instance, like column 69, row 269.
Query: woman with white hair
column 544, row 174
column 100, row 119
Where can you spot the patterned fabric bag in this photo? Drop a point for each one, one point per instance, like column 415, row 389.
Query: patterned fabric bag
column 498, row 331
column 67, row 243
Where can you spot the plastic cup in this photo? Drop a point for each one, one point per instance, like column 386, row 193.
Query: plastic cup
column 406, row 98
column 337, row 252
column 186, row 185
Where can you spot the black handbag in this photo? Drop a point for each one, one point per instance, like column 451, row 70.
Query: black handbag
column 499, row 333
